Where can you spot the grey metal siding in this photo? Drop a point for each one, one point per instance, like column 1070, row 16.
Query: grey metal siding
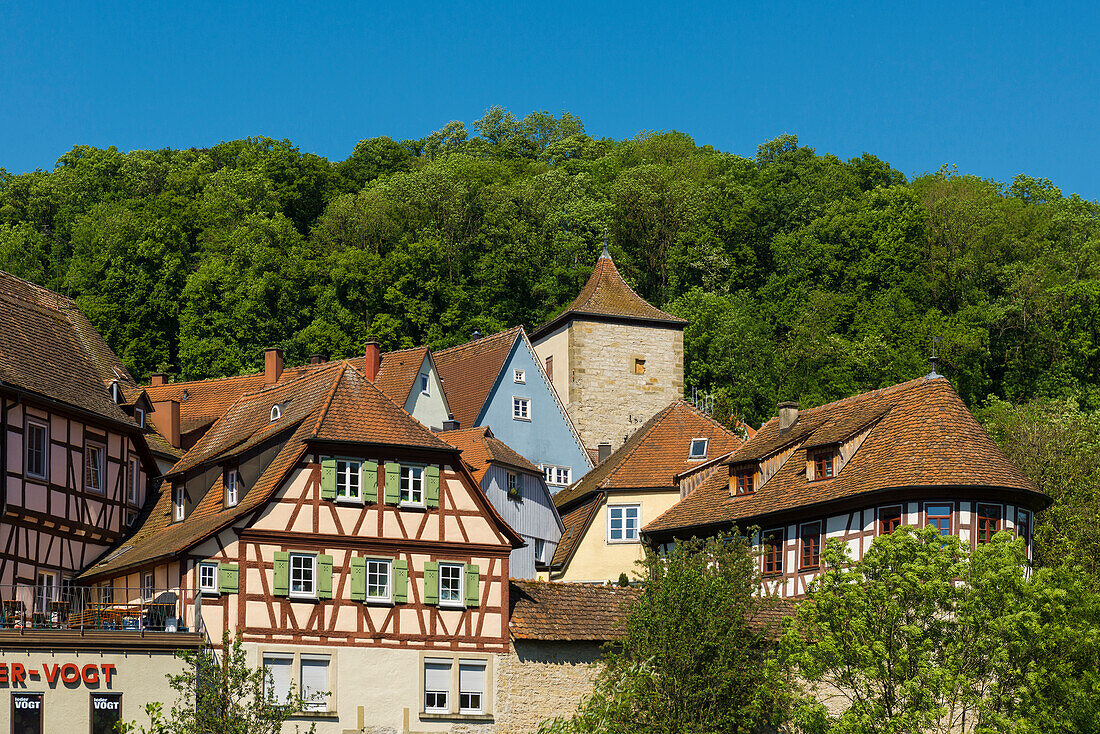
column 533, row 517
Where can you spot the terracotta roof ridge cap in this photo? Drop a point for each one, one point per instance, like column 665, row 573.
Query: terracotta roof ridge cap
column 401, row 351
column 328, row 399
column 710, row 418
column 472, row 342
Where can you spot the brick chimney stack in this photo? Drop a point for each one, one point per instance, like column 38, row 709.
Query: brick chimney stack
column 158, row 379
column 373, row 360
column 273, row 365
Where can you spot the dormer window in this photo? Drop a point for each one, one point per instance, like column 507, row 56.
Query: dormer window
column 116, row 392
column 698, row 448
column 178, row 498
column 746, row 483
column 139, row 416
column 276, row 412
column 824, row 465
column 232, row 487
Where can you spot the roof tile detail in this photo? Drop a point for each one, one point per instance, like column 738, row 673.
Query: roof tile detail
column 542, row 610
column 480, row 449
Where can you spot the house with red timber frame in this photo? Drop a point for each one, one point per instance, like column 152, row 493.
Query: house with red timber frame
column 348, row 546
column 909, row 454
column 73, row 449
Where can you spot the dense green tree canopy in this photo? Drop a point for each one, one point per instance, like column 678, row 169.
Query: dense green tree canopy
column 804, row 276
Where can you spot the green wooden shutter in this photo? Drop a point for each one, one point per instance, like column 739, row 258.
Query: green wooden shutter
column 324, row 577
column 400, row 581
column 358, row 578
column 328, row 479
column 370, row 481
column 228, row 578
column 431, row 490
column 431, row 582
column 473, row 577
column 393, row 483
column 281, row 586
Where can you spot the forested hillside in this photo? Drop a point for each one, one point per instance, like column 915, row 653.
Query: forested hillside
column 804, row 276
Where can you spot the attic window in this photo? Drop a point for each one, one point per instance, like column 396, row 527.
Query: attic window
column 425, row 384
column 116, row 392
column 746, row 481
column 139, row 416
column 698, row 448
column 519, row 376
column 824, row 465
column 276, row 412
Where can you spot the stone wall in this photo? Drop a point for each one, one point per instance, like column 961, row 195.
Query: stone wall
column 608, row 400
column 541, row 680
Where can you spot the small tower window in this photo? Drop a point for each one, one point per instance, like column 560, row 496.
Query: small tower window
column 698, row 448
column 639, row 366
column 276, row 412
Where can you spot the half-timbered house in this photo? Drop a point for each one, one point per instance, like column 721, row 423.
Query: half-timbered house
column 348, row 546
column 910, row 454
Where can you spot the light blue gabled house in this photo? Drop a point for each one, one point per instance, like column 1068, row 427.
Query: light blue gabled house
column 498, row 381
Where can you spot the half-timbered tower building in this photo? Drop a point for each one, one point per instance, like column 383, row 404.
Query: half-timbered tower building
column 73, row 453
column 347, row 544
column 910, row 454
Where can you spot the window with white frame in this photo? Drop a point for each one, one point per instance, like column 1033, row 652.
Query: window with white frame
column 232, row 487
column 38, row 443
column 471, row 687
column 139, row 417
column 557, row 475
column 698, row 448
column 378, row 580
column 133, row 480
column 208, row 578
column 521, row 409
column 147, row 586
column 178, row 501
column 278, row 676
column 450, row 584
column 540, row 548
column 303, row 575
column 45, row 590
column 349, row 480
column 94, row 467
column 425, row 384
column 519, row 377
column 412, row 485
column 276, row 412
column 437, row 686
column 313, row 682
column 622, row 523
column 514, row 490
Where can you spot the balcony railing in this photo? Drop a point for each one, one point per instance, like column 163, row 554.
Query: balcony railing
column 26, row 607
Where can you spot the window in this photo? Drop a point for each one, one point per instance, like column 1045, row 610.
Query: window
column 147, row 585
column 471, row 687
column 745, row 482
column 811, row 545
column 698, row 448
column 889, row 519
column 989, row 522
column 450, row 584
column 106, row 712
column 45, row 591
column 232, row 487
column 303, row 575
column 208, row 578
column 133, row 480
column 276, row 412
column 550, row 368
column 540, row 548
column 622, row 523
column 107, row 594
column 178, row 501
column 425, row 384
column 513, row 486
column 313, row 682
column 521, row 409
column 1023, row 525
column 824, row 465
column 639, row 366
column 378, row 580
column 277, row 669
column 939, row 516
column 93, row 467
column 412, row 485
column 557, row 475
column 38, row 443
column 773, row 551
column 348, row 480
column 139, row 416
column 26, row 713
column 437, row 686
column 519, row 377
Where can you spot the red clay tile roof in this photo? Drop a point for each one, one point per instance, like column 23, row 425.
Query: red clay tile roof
column 480, row 448
column 607, row 294
column 921, row 435
column 576, row 521
column 470, row 370
column 49, row 348
column 654, row 454
column 542, row 610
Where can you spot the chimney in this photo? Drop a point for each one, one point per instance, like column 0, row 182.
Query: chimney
column 318, row 359
column 788, row 414
column 166, row 420
column 603, row 450
column 475, row 335
column 273, row 365
column 450, row 424
column 373, row 360
column 158, row 379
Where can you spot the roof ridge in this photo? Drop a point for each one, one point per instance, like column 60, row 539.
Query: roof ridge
column 472, row 342
column 643, row 431
column 877, row 392
column 41, row 289
column 708, row 417
column 331, row 394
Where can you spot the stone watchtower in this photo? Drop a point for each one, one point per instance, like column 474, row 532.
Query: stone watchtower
column 614, row 359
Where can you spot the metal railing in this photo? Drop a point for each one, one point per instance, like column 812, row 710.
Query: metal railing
column 29, row 607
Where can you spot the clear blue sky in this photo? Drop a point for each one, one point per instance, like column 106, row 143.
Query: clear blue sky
column 993, row 88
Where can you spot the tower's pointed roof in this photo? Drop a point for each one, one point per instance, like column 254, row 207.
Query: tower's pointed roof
column 607, row 296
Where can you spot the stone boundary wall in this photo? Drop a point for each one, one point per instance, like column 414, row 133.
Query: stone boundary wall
column 540, row 680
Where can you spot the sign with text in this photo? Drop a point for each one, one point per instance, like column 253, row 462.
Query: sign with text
column 106, row 712
column 26, row 713
column 71, row 674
